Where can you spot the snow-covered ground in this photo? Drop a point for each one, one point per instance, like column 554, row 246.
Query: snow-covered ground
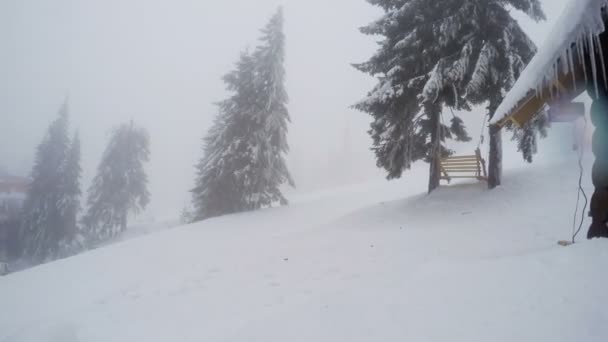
column 372, row 262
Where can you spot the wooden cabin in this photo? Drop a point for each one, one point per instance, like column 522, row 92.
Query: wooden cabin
column 573, row 61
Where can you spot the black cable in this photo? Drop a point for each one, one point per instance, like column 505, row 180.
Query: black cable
column 580, row 191
column 483, row 131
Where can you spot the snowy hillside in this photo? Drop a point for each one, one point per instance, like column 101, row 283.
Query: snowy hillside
column 364, row 263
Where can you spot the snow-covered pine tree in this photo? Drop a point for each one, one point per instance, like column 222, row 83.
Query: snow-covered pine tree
column 270, row 170
column 500, row 52
column 47, row 217
column 244, row 164
column 408, row 121
column 434, row 54
column 121, row 184
column 186, row 216
column 227, row 151
column 70, row 203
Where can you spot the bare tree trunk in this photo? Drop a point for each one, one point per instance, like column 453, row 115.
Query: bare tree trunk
column 495, row 159
column 434, row 176
column 599, row 201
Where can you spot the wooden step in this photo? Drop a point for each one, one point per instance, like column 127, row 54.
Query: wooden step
column 460, row 162
column 457, row 166
column 462, row 157
column 464, row 177
column 472, row 166
column 468, row 163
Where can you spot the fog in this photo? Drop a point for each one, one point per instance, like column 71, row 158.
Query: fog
column 160, row 63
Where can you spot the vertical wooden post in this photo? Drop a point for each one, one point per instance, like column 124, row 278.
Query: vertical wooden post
column 495, row 159
column 434, row 172
column 599, row 201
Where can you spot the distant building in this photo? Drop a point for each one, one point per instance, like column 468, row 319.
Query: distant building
column 12, row 195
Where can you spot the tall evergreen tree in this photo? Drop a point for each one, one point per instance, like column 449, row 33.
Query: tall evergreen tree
column 435, row 54
column 228, row 149
column 70, row 203
column 121, row 184
column 244, row 164
column 50, row 209
column 502, row 51
column 270, row 170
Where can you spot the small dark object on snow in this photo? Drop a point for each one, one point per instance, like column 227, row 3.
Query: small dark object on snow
column 564, row 243
column 286, row 259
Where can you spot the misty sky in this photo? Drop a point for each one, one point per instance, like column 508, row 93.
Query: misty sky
column 160, row 63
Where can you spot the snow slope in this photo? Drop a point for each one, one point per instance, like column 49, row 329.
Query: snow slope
column 362, row 263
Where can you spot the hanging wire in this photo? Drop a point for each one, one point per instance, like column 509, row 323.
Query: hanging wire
column 483, row 130
column 453, row 115
column 483, row 126
column 442, row 130
column 436, row 150
column 576, row 231
column 438, row 135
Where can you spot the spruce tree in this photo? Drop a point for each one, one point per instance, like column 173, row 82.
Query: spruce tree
column 434, row 54
column 70, row 203
column 270, row 169
column 50, row 209
column 121, row 184
column 408, row 121
column 244, row 164
column 227, row 152
column 502, row 50
column 186, row 216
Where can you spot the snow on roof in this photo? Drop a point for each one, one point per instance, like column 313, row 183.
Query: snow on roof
column 580, row 23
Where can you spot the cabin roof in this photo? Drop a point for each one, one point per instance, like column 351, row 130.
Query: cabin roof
column 577, row 28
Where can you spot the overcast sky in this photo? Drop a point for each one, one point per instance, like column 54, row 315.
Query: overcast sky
column 160, row 63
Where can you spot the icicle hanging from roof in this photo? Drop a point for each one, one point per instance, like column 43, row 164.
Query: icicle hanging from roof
column 581, row 23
